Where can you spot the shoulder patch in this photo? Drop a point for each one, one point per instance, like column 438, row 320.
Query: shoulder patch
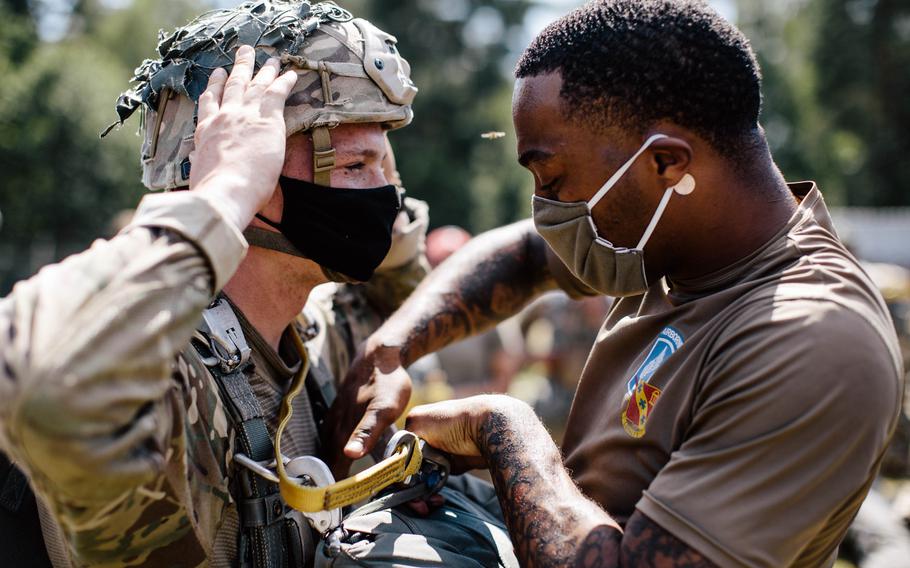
column 640, row 395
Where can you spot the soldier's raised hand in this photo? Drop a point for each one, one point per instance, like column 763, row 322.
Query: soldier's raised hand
column 371, row 397
column 240, row 136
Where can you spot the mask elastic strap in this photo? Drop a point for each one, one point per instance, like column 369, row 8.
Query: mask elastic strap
column 656, row 217
column 622, row 170
column 323, row 156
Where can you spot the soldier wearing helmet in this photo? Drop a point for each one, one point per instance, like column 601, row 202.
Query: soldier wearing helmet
column 133, row 375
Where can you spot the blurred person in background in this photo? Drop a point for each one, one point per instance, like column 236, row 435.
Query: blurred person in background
column 442, row 242
column 739, row 398
column 559, row 333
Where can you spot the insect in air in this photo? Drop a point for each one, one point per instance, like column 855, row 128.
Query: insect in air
column 492, row 135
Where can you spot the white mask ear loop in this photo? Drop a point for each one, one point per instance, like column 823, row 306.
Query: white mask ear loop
column 685, row 186
column 622, row 170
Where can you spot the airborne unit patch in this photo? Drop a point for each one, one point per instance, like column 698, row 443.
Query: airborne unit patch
column 640, row 395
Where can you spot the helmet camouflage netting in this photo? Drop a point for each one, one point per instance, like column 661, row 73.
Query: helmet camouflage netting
column 346, row 61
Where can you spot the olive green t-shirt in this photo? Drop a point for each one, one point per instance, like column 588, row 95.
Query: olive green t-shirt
column 745, row 412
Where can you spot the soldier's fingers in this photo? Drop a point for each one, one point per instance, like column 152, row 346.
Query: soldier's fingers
column 374, row 422
column 267, row 74
column 240, row 75
column 277, row 93
column 211, row 98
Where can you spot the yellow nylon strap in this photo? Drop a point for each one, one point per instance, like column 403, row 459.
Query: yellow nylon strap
column 394, row 469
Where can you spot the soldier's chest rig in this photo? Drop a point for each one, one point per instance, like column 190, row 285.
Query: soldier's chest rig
column 279, row 499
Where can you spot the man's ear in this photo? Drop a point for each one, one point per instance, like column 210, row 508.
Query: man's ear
column 672, row 158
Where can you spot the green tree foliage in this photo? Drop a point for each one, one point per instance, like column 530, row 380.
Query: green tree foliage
column 460, row 61
column 836, row 93
column 17, row 33
column 61, row 184
column 862, row 55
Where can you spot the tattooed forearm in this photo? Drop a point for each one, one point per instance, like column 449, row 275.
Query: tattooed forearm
column 488, row 280
column 551, row 523
column 547, row 515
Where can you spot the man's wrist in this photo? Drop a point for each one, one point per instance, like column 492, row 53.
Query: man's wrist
column 230, row 198
column 498, row 414
column 386, row 348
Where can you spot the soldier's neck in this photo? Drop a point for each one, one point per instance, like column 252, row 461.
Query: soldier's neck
column 271, row 288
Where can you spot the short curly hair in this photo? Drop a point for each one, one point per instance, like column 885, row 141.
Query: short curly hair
column 631, row 63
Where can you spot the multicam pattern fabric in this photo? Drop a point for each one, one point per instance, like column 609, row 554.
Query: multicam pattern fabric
column 349, row 72
column 108, row 408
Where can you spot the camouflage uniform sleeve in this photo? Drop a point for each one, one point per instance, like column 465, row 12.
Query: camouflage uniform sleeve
column 86, row 350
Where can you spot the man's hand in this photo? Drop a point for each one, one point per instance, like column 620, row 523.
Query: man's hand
column 454, row 426
column 372, row 396
column 488, row 280
column 240, row 136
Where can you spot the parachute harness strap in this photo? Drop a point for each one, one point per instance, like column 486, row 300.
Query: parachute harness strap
column 403, row 463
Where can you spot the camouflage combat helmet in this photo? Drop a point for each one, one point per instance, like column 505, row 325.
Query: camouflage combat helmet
column 349, row 72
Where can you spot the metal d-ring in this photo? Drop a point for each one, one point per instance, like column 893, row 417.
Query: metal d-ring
column 263, row 469
column 398, row 439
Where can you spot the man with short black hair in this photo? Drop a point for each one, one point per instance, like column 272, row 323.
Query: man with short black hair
column 741, row 392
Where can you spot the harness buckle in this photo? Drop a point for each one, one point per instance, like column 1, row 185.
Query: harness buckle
column 221, row 328
column 306, row 470
column 435, row 467
column 323, row 160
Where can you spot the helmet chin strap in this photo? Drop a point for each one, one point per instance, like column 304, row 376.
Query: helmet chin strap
column 273, row 240
column 323, row 156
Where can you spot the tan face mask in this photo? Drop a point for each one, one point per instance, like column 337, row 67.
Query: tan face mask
column 570, row 231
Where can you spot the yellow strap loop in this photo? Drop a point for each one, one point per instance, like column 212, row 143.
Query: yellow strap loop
column 404, row 462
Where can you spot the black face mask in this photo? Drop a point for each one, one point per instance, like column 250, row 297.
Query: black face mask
column 348, row 231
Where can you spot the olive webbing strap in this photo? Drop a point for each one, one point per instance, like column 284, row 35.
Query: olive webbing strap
column 259, row 505
column 271, row 240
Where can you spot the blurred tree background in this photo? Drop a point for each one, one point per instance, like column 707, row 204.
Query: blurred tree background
column 837, row 106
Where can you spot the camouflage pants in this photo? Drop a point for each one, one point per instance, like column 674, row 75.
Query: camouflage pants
column 467, row 531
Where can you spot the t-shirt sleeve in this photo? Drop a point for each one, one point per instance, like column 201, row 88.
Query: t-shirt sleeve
column 568, row 282
column 793, row 411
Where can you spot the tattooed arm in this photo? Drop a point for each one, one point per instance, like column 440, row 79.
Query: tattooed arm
column 485, row 282
column 550, row 521
column 490, row 279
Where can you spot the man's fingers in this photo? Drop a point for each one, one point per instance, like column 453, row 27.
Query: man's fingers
column 211, row 98
column 364, row 433
column 277, row 93
column 374, row 422
column 236, row 85
column 446, row 426
column 267, row 73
